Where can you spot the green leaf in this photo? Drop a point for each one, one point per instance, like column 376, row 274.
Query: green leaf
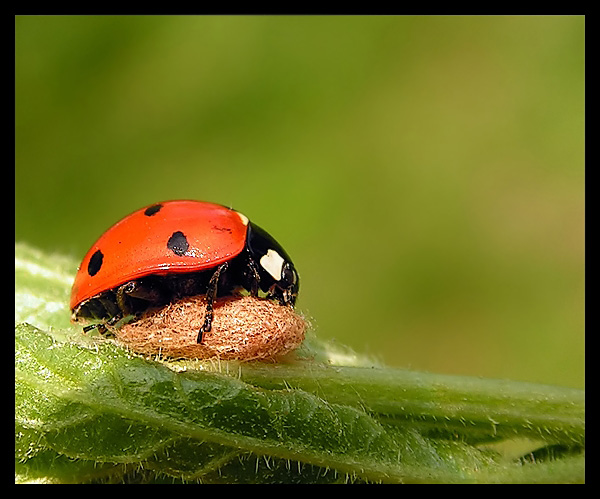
column 42, row 288
column 90, row 411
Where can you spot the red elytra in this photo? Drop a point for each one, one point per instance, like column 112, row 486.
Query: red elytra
column 164, row 238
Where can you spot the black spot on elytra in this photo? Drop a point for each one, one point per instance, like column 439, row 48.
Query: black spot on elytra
column 178, row 243
column 95, row 263
column 153, row 210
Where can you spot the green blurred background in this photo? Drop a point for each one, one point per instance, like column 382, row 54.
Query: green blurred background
column 425, row 173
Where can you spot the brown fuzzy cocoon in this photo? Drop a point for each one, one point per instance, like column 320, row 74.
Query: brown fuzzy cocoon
column 243, row 328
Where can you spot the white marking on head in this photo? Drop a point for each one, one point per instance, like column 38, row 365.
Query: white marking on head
column 272, row 262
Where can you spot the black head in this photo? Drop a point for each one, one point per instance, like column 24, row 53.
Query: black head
column 278, row 276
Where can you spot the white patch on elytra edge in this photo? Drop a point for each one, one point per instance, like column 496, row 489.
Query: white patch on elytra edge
column 243, row 218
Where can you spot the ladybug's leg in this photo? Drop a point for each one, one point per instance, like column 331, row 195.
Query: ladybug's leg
column 211, row 294
column 102, row 327
column 255, row 278
column 140, row 290
column 105, row 308
column 122, row 292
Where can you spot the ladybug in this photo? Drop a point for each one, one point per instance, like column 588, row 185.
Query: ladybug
column 173, row 249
